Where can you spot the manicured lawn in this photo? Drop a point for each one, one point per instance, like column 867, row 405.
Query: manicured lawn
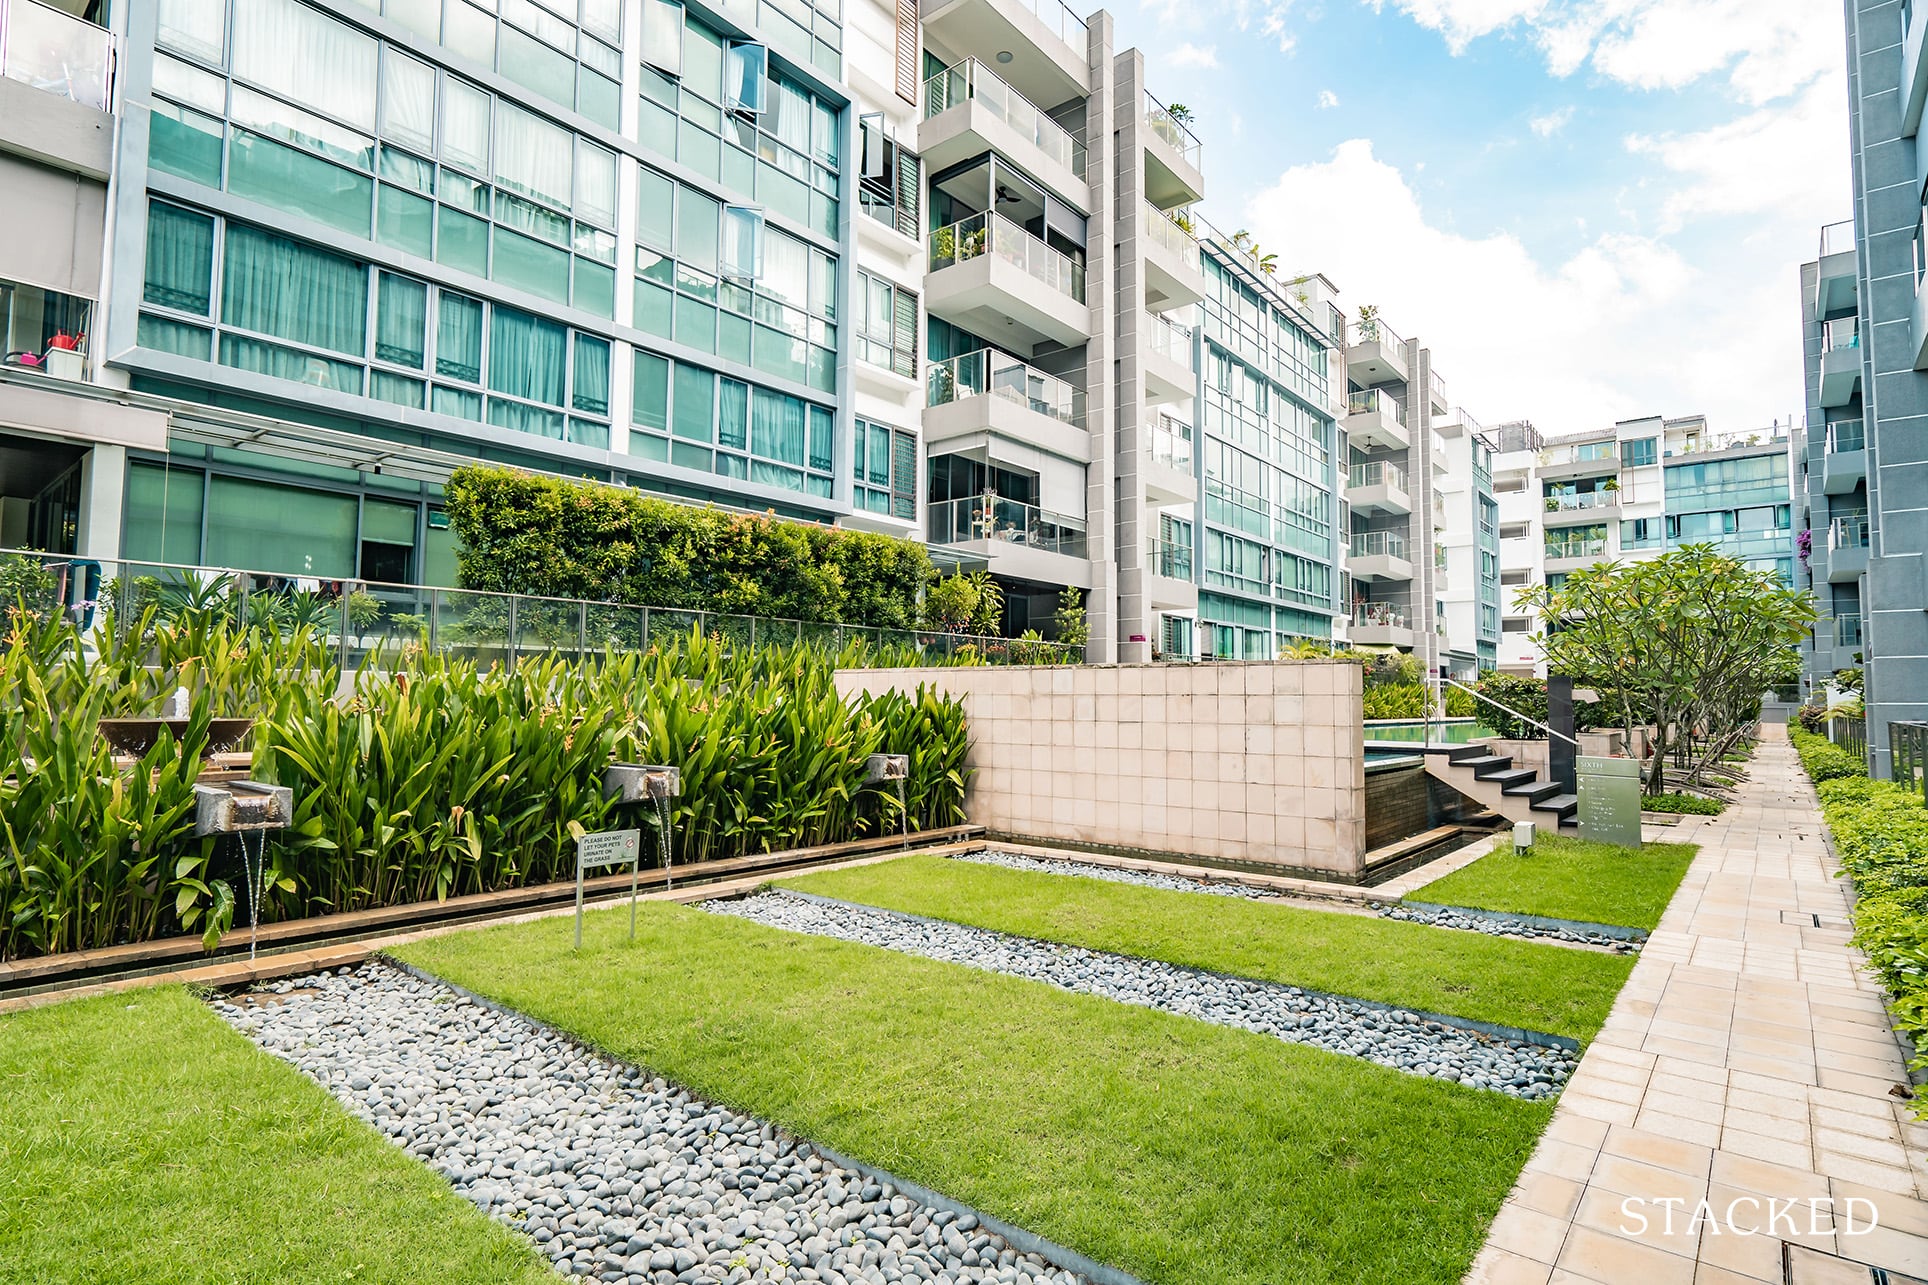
column 1567, row 878
column 1492, row 979
column 141, row 1139
column 1179, row 1151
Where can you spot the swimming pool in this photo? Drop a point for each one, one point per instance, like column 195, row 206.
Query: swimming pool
column 1446, row 731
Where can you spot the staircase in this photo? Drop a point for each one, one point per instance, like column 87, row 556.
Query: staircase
column 1516, row 793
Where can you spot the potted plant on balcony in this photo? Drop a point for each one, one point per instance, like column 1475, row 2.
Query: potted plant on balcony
column 1611, row 484
column 1180, row 114
column 66, row 356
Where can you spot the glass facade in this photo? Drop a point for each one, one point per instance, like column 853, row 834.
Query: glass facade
column 1739, row 504
column 458, row 190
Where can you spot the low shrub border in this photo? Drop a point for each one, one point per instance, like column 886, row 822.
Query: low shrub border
column 1823, row 759
column 1880, row 831
column 1682, row 804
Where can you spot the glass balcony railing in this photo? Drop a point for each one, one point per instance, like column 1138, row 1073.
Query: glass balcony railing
column 1567, row 502
column 1375, row 401
column 1438, row 385
column 1373, row 330
column 1058, row 19
column 1165, row 558
column 1842, row 332
column 1169, row 339
column 1848, row 532
column 1837, row 237
column 1587, row 546
column 1165, row 231
column 1381, row 614
column 1373, row 544
column 1173, row 130
column 56, row 52
column 1847, row 630
column 994, row 234
column 992, row 373
column 1171, row 444
column 1383, row 473
column 1847, row 435
column 971, row 79
column 989, row 517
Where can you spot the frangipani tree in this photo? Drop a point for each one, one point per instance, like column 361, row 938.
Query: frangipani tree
column 1685, row 644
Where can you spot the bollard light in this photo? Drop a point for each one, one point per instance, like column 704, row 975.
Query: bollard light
column 1522, row 837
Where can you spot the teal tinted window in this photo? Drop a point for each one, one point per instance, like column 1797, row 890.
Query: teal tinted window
column 530, row 265
column 458, row 338
column 650, row 408
column 695, row 402
column 462, row 241
column 266, row 171
column 164, row 512
column 590, row 380
column 180, row 259
column 595, row 288
column 527, row 356
column 292, row 291
column 184, row 142
column 178, row 338
column 401, row 321
column 405, row 221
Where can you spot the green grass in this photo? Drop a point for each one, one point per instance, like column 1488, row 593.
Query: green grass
column 1179, row 1151
column 145, row 1140
column 1567, row 878
column 1491, row 979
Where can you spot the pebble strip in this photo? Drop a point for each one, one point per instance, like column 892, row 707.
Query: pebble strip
column 616, row 1176
column 1397, row 1038
column 1503, row 926
column 1110, row 874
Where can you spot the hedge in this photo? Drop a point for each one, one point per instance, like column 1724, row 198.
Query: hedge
column 1682, row 804
column 1881, row 833
column 521, row 533
column 1823, row 759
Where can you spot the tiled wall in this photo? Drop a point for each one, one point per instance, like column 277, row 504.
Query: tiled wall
column 1258, row 762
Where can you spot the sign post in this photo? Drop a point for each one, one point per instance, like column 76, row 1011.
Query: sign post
column 608, row 848
column 1610, row 800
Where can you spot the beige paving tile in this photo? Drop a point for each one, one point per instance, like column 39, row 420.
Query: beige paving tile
column 1595, row 1256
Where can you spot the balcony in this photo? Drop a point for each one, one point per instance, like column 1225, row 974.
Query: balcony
column 1174, row 266
column 1585, row 459
column 988, row 393
column 1834, row 282
column 1169, row 473
column 45, row 332
column 1377, row 355
column 1375, row 422
column 1847, row 548
column 1047, row 44
column 969, row 110
column 992, row 277
column 56, row 88
column 1169, row 366
column 1581, row 507
column 1380, row 624
column 1845, row 465
column 1379, row 555
column 1168, row 576
column 1436, row 393
column 1574, row 550
column 1840, row 360
column 1378, row 487
column 1172, row 158
column 1017, row 539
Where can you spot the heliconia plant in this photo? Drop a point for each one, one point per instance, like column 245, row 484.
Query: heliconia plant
column 425, row 776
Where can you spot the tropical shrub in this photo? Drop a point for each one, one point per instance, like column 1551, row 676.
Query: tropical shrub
column 552, row 537
column 1823, row 759
column 1682, row 804
column 433, row 777
column 1460, row 704
column 1517, row 693
column 1397, row 700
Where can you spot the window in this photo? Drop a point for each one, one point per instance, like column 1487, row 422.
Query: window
column 1516, row 625
column 1641, row 533
column 691, row 417
column 883, row 468
column 742, row 258
column 907, row 33
column 1515, row 531
column 180, row 259
column 886, row 325
column 663, row 35
column 1640, row 452
column 307, row 58
column 891, row 181
column 744, row 68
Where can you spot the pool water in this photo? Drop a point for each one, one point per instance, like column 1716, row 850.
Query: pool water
column 1452, row 731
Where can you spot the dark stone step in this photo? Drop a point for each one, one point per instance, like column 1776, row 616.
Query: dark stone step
column 1485, row 763
column 1563, row 805
column 1512, row 777
column 1533, row 791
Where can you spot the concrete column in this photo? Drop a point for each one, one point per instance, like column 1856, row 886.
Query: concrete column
column 1127, row 295
column 103, row 498
column 1101, row 174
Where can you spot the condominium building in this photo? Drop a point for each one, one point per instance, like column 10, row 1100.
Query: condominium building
column 1630, row 492
column 1466, row 547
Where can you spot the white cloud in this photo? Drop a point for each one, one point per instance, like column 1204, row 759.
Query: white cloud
column 1552, row 123
column 1327, row 100
column 1766, row 48
column 1625, row 325
column 1191, row 55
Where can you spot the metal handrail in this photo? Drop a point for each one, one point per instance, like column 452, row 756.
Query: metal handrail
column 1504, row 709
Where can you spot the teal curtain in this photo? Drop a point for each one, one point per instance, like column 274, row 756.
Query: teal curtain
column 732, row 414
column 525, row 419
column 180, row 259
column 458, row 338
column 281, row 288
column 777, row 427
column 650, row 394
column 527, row 355
column 591, row 390
column 401, row 323
column 695, row 403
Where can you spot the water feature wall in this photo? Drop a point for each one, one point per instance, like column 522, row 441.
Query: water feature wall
column 1258, row 763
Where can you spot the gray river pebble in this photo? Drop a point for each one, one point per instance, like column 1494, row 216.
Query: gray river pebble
column 1401, row 1039
column 1110, row 874
column 1495, row 925
column 616, row 1176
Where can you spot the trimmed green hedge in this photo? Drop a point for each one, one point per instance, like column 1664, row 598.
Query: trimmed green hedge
column 526, row 534
column 1823, row 759
column 1682, row 804
column 1881, row 832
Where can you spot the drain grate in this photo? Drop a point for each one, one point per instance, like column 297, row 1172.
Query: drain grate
column 1808, row 919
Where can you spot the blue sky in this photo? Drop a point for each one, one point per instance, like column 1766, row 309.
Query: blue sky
column 1591, row 209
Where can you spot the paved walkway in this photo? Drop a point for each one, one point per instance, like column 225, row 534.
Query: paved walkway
column 1749, row 1060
